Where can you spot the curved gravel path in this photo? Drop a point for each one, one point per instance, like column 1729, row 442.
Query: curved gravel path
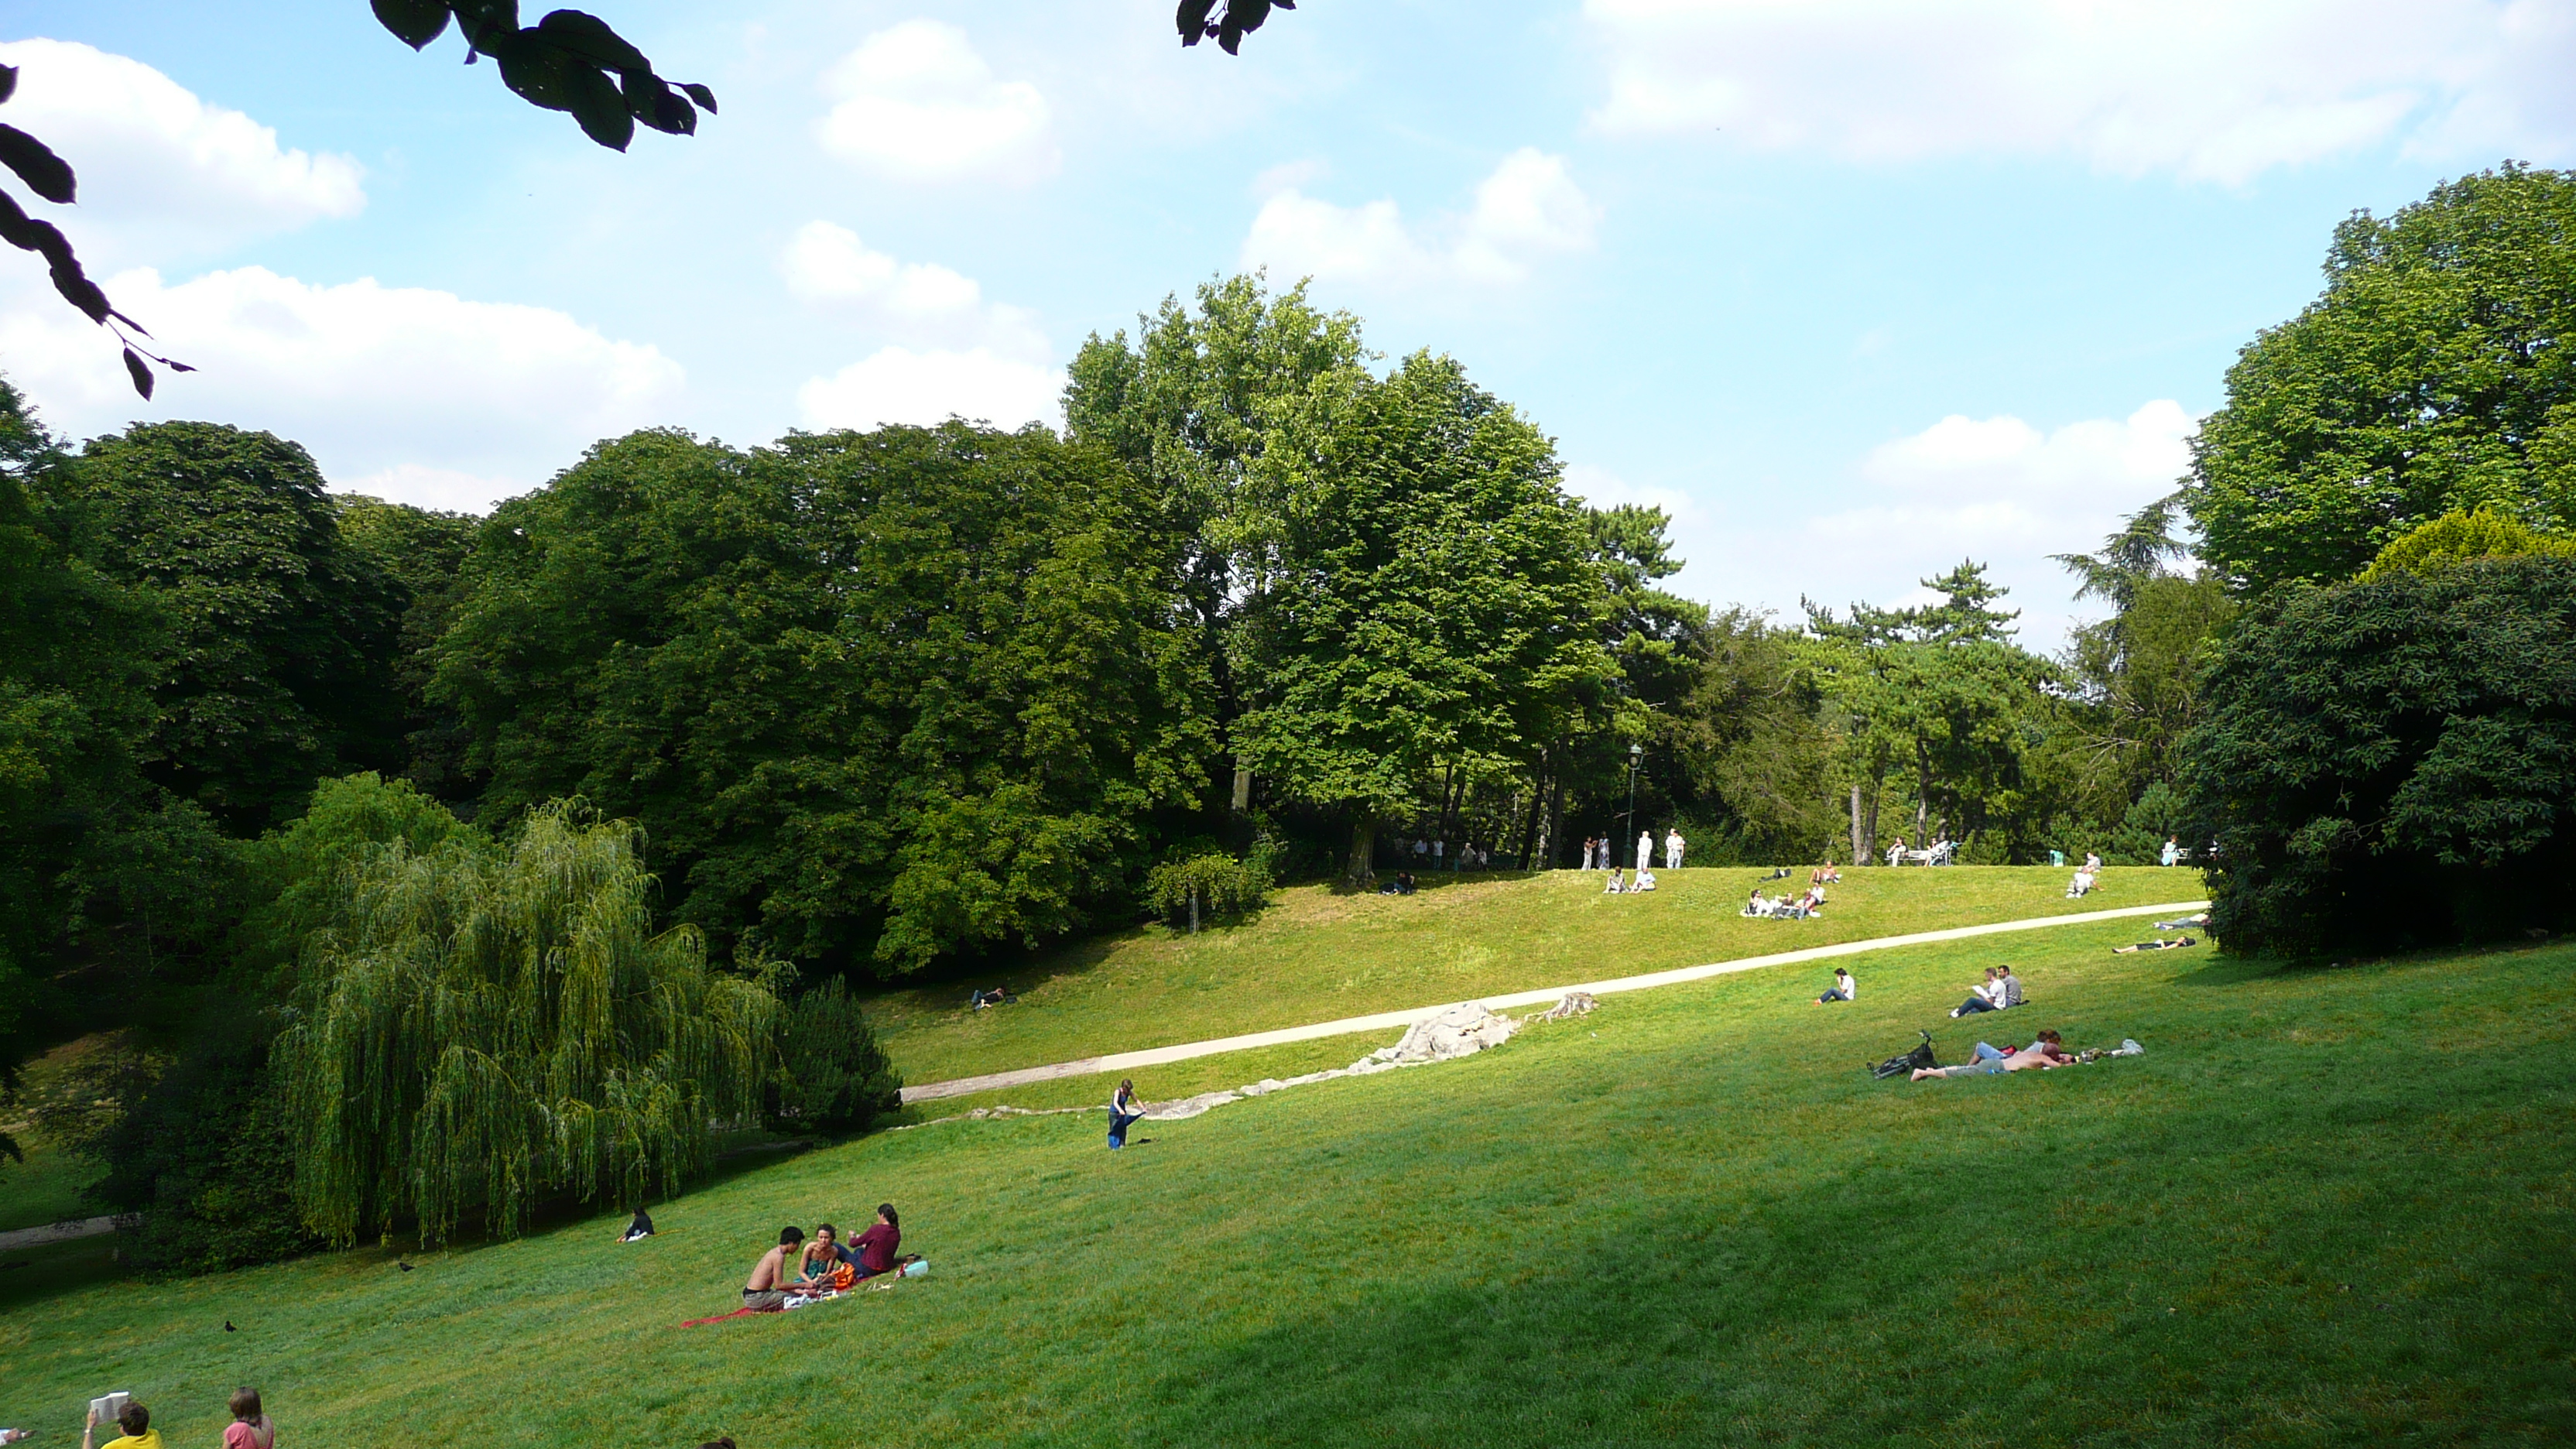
column 1156, row 1056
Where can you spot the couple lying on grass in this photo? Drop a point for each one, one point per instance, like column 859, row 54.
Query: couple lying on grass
column 823, row 1265
column 2048, row 1051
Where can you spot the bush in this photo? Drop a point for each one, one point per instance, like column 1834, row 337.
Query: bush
column 1224, row 887
column 2392, row 762
column 204, row 1160
column 832, row 1075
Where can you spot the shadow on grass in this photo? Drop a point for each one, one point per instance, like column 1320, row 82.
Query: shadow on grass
column 1947, row 1302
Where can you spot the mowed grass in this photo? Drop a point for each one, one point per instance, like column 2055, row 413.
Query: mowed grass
column 1319, row 955
column 2328, row 1207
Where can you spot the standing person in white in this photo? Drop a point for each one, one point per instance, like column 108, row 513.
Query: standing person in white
column 1645, row 850
column 1673, row 844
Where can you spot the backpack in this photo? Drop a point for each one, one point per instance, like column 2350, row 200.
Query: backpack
column 1921, row 1056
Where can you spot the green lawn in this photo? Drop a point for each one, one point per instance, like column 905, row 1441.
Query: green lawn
column 1320, row 956
column 2329, row 1206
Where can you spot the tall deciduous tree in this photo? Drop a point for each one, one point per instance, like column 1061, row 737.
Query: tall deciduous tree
column 2433, row 374
column 880, row 695
column 276, row 666
column 1422, row 592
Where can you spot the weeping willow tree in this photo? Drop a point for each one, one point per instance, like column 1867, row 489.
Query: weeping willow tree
column 485, row 1027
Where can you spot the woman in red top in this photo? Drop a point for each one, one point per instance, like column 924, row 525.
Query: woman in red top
column 876, row 1246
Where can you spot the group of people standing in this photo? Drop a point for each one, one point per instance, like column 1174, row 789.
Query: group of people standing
column 1434, row 854
column 1602, row 853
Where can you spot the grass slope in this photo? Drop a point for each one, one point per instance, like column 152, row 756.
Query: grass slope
column 2328, row 1207
column 1319, row 956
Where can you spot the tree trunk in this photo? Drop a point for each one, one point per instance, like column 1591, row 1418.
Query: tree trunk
column 1869, row 836
column 1860, row 842
column 1362, row 869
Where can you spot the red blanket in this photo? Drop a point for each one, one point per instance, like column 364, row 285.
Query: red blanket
column 719, row 1318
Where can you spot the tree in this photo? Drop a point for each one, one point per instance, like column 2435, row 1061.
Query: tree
column 2133, row 680
column 275, row 670
column 423, row 551
column 2393, row 761
column 1938, row 691
column 2432, row 375
column 2459, row 536
column 76, row 672
column 880, row 696
column 1423, row 593
column 1757, row 742
column 484, row 1027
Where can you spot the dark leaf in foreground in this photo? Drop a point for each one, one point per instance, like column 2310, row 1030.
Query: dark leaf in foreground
column 414, row 22
column 8, row 81
column 1193, row 19
column 142, row 375
column 589, row 37
column 45, row 173
column 705, row 98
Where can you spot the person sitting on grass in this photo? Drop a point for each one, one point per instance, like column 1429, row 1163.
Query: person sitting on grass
column 1984, row 996
column 1617, row 885
column 2154, row 946
column 823, row 1254
column 135, row 1420
column 1825, row 874
column 1843, row 988
column 876, row 1246
column 2048, row 1051
column 250, row 1429
column 1645, row 881
column 639, row 1226
column 766, row 1292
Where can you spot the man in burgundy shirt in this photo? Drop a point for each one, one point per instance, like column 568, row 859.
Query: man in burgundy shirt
column 876, row 1246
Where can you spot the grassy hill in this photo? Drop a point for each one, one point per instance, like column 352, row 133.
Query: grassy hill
column 2328, row 1206
column 1320, row 956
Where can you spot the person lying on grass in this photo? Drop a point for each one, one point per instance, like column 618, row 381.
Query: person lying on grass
column 2154, row 946
column 2201, row 921
column 766, row 1292
column 2040, row 1055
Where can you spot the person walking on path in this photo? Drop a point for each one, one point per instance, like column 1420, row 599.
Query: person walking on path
column 1124, row 1110
column 1673, row 844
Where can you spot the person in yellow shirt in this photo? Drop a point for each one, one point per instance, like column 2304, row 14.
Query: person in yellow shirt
column 135, row 1420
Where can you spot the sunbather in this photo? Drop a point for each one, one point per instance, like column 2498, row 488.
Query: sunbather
column 822, row 1254
column 1843, row 988
column 2154, row 946
column 2187, row 922
column 766, row 1292
column 2040, row 1055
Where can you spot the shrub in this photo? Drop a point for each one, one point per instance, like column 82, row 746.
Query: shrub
column 1224, row 887
column 2393, row 761
column 832, row 1075
column 204, row 1159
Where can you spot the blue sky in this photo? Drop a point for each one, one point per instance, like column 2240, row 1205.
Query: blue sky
column 1855, row 288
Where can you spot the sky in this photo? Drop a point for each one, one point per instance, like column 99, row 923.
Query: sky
column 1854, row 289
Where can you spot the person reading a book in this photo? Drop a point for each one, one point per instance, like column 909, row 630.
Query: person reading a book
column 766, row 1292
column 135, row 1420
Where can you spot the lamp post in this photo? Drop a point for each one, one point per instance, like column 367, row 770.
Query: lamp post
column 1636, row 757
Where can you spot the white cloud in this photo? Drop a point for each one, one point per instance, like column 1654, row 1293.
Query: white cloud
column 2208, row 89
column 916, row 103
column 914, row 301
column 396, row 388
column 162, row 173
column 1601, row 488
column 898, row 385
column 1527, row 210
column 1997, row 490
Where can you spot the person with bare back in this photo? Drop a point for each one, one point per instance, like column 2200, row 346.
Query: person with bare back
column 766, row 1292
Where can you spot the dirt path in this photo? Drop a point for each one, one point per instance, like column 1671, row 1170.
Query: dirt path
column 56, row 1233
column 1157, row 1056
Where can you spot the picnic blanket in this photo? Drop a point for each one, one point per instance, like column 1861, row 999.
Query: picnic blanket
column 719, row 1318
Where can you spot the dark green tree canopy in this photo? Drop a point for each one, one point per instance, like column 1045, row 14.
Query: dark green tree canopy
column 275, row 669
column 2394, row 760
column 2435, row 373
column 883, row 695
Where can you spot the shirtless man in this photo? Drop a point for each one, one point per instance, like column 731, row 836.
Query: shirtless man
column 767, row 1290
